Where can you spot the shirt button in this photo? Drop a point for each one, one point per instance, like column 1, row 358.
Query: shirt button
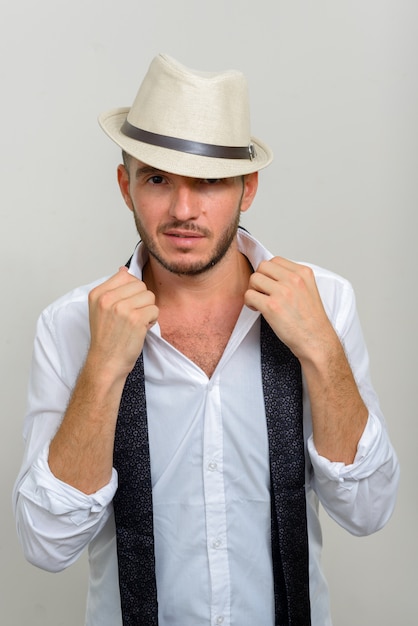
column 216, row 544
column 219, row 619
column 212, row 466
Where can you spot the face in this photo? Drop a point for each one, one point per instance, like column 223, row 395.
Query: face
column 187, row 224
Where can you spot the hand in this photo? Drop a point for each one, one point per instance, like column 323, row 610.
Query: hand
column 286, row 295
column 121, row 311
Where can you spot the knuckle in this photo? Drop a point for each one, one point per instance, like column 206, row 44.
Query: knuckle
column 93, row 294
column 106, row 301
column 297, row 280
column 263, row 266
column 150, row 297
column 273, row 307
column 119, row 309
column 306, row 271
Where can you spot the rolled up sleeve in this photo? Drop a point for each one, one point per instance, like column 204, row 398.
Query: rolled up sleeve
column 55, row 521
column 360, row 496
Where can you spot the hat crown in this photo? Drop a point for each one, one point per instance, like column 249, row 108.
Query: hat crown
column 207, row 107
column 189, row 123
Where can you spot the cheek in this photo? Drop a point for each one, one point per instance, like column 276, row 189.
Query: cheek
column 147, row 217
column 150, row 206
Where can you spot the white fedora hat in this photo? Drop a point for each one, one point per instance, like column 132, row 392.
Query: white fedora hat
column 189, row 123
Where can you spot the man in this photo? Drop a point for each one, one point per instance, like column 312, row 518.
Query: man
column 186, row 414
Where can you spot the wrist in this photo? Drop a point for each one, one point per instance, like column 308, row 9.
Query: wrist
column 105, row 370
column 322, row 352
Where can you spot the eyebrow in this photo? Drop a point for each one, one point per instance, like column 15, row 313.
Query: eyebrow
column 146, row 169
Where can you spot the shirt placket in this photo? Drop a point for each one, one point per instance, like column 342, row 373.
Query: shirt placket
column 215, row 507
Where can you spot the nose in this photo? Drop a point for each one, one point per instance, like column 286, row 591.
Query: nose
column 184, row 202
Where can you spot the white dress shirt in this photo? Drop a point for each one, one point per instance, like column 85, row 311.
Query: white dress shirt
column 209, row 467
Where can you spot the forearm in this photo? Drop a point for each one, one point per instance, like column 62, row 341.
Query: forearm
column 81, row 453
column 121, row 311
column 287, row 295
column 339, row 414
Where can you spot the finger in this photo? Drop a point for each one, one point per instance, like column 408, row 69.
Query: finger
column 115, row 287
column 281, row 268
column 153, row 312
column 255, row 300
column 262, row 283
column 133, row 301
column 121, row 277
column 297, row 271
column 287, row 264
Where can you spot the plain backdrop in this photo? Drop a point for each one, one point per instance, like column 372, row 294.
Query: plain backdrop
column 334, row 91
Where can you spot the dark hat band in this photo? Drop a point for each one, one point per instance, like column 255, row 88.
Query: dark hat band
column 191, row 147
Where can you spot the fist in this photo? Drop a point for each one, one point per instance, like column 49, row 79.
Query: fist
column 286, row 295
column 121, row 311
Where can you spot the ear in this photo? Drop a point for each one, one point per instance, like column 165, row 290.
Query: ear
column 123, row 180
column 250, row 189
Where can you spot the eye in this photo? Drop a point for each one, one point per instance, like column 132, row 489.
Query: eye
column 211, row 181
column 156, row 179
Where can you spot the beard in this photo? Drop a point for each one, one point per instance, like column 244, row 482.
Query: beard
column 185, row 267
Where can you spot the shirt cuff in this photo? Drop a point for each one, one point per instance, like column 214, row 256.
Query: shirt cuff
column 364, row 463
column 42, row 488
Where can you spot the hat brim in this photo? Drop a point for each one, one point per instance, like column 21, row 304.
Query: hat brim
column 182, row 163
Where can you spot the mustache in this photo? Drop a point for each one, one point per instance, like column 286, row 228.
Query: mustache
column 186, row 225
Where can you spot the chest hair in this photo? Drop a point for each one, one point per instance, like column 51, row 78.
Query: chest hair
column 203, row 341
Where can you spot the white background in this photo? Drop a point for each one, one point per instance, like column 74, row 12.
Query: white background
column 334, row 91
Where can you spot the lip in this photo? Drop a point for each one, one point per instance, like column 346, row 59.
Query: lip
column 184, row 234
column 183, row 240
